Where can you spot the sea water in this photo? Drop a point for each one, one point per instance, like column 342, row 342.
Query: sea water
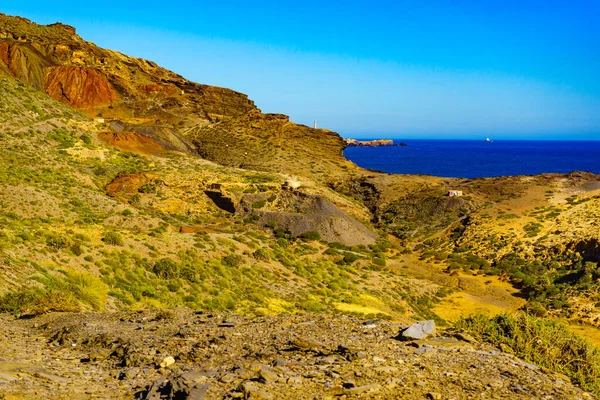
column 475, row 159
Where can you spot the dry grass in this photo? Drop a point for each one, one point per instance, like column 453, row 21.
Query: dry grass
column 545, row 343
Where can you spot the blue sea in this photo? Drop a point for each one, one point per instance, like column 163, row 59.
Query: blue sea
column 476, row 159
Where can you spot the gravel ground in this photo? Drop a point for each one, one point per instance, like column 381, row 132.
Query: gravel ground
column 182, row 354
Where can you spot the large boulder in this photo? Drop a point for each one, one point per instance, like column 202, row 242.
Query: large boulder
column 418, row 330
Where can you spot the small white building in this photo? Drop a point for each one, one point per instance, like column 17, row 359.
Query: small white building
column 455, row 193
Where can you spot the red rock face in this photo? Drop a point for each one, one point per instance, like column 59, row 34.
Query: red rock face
column 79, row 87
column 128, row 184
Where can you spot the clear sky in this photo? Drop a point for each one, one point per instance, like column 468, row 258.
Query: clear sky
column 404, row 69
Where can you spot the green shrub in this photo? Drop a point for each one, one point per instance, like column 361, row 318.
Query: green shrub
column 166, row 268
column 261, row 254
column 89, row 289
column 57, row 242
column 349, row 257
column 546, row 343
column 189, row 272
column 379, row 261
column 312, row 306
column 310, row 235
column 259, row 204
column 76, row 249
column 38, row 301
column 231, row 260
column 112, row 238
column 535, row 308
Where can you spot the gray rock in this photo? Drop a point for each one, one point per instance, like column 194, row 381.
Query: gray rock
column 418, row 330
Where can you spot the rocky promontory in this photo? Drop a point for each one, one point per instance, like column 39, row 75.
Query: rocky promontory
column 369, row 143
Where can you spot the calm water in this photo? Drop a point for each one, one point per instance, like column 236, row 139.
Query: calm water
column 474, row 159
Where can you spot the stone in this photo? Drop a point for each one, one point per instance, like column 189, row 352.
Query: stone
column 198, row 392
column 349, row 384
column 422, row 350
column 252, row 391
column 305, row 344
column 465, row 337
column 294, row 380
column 167, row 362
column 227, row 378
column 434, row 396
column 363, row 389
column 266, row 375
column 418, row 330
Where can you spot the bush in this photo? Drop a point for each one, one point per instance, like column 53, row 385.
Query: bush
column 232, row 260
column 57, row 242
column 349, row 257
column 112, row 238
column 85, row 139
column 548, row 344
column 261, row 254
column 190, row 273
column 310, row 235
column 166, row 268
column 88, row 289
column 313, row 306
column 535, row 308
column 76, row 249
column 38, row 301
column 259, row 204
column 379, row 262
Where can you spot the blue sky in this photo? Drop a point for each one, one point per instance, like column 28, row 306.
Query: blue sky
column 405, row 69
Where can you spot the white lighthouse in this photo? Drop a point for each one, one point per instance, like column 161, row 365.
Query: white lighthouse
column 315, row 124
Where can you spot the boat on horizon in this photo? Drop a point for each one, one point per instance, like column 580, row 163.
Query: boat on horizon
column 488, row 140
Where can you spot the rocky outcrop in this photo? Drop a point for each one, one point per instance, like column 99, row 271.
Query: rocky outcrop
column 216, row 123
column 370, row 143
column 79, row 87
column 300, row 213
column 107, row 82
column 132, row 142
column 127, row 185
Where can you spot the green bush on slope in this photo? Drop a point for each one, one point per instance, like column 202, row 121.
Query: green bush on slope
column 58, row 295
column 546, row 343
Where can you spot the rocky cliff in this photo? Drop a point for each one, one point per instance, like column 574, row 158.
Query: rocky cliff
column 218, row 123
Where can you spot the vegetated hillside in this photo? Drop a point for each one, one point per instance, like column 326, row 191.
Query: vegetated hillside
column 89, row 226
column 136, row 95
column 540, row 233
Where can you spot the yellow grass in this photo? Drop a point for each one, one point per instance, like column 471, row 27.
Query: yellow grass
column 358, row 309
column 463, row 304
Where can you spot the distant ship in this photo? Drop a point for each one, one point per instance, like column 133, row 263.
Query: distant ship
column 488, row 140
